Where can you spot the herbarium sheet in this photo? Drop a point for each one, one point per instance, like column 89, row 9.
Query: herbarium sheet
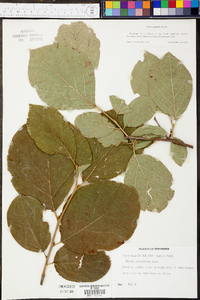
column 99, row 159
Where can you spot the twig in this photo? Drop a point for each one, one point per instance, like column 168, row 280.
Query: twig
column 56, row 229
column 171, row 140
column 156, row 122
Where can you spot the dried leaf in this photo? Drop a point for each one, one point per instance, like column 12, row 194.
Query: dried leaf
column 119, row 105
column 120, row 121
column 26, row 225
column 140, row 74
column 92, row 125
column 170, row 86
column 80, row 267
column 79, row 36
column 114, row 138
column 150, row 131
column 47, row 178
column 101, row 216
column 141, row 110
column 152, row 181
column 139, row 145
column 108, row 162
column 51, row 133
column 83, row 152
column 178, row 153
column 62, row 76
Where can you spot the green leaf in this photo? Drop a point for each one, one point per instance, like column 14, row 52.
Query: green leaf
column 47, row 178
column 178, row 153
column 83, row 152
column 119, row 119
column 141, row 110
column 93, row 124
column 152, row 181
column 80, row 267
column 139, row 144
column 147, row 131
column 62, row 76
column 150, row 131
column 51, row 133
column 114, row 138
column 119, row 105
column 101, row 216
column 26, row 225
column 80, row 37
column 140, row 74
column 170, row 86
column 108, row 162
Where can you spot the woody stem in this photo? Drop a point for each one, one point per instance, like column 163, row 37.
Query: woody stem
column 56, row 228
column 171, row 140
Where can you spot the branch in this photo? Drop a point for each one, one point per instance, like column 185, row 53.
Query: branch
column 57, row 226
column 171, row 140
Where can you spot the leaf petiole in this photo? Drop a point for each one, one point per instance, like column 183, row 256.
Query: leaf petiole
column 172, row 129
column 55, row 244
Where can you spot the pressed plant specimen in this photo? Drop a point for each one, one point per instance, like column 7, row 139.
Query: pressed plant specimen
column 55, row 163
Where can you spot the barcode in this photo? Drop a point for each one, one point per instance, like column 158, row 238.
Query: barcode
column 94, row 292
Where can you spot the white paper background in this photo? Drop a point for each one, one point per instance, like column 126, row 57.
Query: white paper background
column 122, row 45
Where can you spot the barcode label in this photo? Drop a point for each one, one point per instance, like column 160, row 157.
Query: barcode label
column 94, row 290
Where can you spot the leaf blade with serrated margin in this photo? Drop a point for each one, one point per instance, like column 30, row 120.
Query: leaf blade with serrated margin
column 80, row 267
column 83, row 152
column 140, row 74
column 24, row 218
column 119, row 105
column 51, row 133
column 178, row 153
column 101, row 216
column 35, row 173
column 140, row 110
column 152, row 180
column 108, row 162
column 170, row 86
column 63, row 77
column 79, row 36
column 94, row 125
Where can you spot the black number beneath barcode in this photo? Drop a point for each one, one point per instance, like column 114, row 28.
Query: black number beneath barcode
column 94, row 292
